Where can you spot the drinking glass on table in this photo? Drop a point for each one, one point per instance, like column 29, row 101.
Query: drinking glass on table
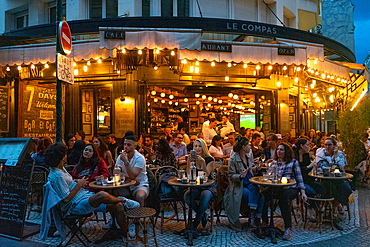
column 263, row 158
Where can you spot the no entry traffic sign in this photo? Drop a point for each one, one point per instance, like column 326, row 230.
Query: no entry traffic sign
column 65, row 37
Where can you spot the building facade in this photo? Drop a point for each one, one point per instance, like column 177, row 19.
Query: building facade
column 141, row 64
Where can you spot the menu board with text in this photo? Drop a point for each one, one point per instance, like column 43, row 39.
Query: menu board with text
column 4, row 109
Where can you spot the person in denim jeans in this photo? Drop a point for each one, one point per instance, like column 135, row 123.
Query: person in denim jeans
column 241, row 169
column 206, row 163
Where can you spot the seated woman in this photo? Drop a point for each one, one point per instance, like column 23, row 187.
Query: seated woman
column 215, row 149
column 203, row 162
column 74, row 157
column 164, row 155
column 42, row 144
column 241, row 189
column 103, row 151
column 302, row 155
column 70, row 141
column 330, row 155
column 90, row 166
column 289, row 168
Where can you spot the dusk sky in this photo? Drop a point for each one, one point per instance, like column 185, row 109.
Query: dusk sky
column 362, row 33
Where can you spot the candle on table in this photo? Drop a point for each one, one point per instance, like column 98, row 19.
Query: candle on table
column 284, row 180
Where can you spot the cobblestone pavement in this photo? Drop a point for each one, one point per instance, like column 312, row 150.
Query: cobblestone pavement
column 222, row 235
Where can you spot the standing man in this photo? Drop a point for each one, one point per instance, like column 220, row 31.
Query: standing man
column 112, row 145
column 181, row 123
column 256, row 148
column 270, row 150
column 209, row 132
column 134, row 167
column 179, row 148
column 186, row 139
column 206, row 123
column 190, row 146
column 227, row 127
column 228, row 147
column 147, row 149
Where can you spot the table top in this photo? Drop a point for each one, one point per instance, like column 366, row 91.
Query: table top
column 348, row 176
column 259, row 180
column 177, row 183
column 153, row 168
column 112, row 186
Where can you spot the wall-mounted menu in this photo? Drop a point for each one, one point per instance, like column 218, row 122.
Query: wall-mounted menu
column 4, row 109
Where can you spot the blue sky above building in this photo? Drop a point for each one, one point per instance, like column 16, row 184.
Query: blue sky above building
column 362, row 33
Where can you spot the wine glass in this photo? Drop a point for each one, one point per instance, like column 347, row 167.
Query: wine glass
column 263, row 158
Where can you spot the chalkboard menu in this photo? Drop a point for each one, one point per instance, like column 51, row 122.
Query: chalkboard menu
column 4, row 109
column 14, row 189
column 39, row 111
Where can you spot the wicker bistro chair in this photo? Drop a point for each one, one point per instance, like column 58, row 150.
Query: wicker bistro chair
column 141, row 213
column 39, row 179
column 321, row 206
column 171, row 199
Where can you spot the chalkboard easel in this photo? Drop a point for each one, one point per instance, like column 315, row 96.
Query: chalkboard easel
column 15, row 182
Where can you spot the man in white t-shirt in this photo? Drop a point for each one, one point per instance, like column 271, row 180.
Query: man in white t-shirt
column 209, row 132
column 134, row 167
column 227, row 127
column 206, row 123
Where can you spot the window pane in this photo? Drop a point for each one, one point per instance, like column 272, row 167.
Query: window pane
column 145, row 8
column 20, row 22
column 112, row 8
column 52, row 14
column 183, row 8
column 167, row 8
column 95, row 9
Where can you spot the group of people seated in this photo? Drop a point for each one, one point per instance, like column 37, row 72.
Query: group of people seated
column 96, row 160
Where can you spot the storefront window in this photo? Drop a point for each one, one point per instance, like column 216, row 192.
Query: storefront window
column 145, row 8
column 103, row 111
column 183, row 8
column 167, row 8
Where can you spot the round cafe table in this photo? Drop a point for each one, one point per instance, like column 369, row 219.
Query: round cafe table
column 189, row 231
column 269, row 183
column 113, row 232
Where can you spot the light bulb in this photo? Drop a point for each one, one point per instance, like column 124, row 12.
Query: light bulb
column 220, row 101
column 285, row 68
column 229, row 65
column 245, row 66
column 204, row 97
column 196, row 69
column 184, row 61
column 76, row 72
column 227, row 78
column 85, row 68
column 153, row 92
column 140, row 52
column 88, row 63
column 99, row 60
column 197, row 102
column 270, row 67
column 47, row 66
column 258, row 67
column 157, row 51
column 163, row 101
column 230, row 95
column 186, row 100
column 215, row 100
column 172, row 53
column 123, row 51
column 7, row 68
column 155, row 68
column 197, row 95
column 74, row 64
column 278, row 84
column 213, row 64
column 235, row 96
column 170, row 102
column 32, row 66
column 314, row 95
column 176, row 103
column 155, row 100
column 163, row 94
column 191, row 69
column 171, row 96
column 197, row 63
column 209, row 98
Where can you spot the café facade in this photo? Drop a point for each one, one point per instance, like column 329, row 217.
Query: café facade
column 142, row 73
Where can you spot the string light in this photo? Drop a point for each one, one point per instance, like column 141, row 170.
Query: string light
column 184, row 61
column 153, row 92
column 123, row 50
column 186, row 100
column 76, row 72
column 172, row 53
column 215, row 100
column 314, row 95
column 197, row 63
column 230, row 95
column 213, row 64
column 197, row 95
column 227, row 78
column 140, row 52
column 163, row 94
column 204, row 97
column 163, row 101
column 197, row 102
column 99, row 60
column 155, row 100
column 191, row 69
column 170, row 102
column 88, row 63
column 176, row 103
column 245, row 66
column 220, row 101
column 209, row 98
column 171, row 96
column 258, row 67
column 85, row 68
column 229, row 65
column 47, row 66
column 235, row 96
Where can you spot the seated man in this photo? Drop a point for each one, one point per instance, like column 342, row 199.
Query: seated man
column 134, row 167
column 76, row 199
column 179, row 148
column 228, row 147
column 256, row 148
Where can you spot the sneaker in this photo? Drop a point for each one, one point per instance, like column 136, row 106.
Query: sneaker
column 131, row 231
column 205, row 219
column 109, row 224
column 288, row 234
column 128, row 204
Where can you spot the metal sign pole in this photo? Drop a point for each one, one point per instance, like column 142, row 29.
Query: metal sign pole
column 59, row 104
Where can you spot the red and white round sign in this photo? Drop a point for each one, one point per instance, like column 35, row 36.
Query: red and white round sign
column 65, row 37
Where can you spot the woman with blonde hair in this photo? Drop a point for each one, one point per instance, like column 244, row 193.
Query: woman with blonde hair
column 206, row 163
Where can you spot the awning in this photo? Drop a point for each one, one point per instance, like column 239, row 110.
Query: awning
column 43, row 53
column 330, row 67
column 149, row 38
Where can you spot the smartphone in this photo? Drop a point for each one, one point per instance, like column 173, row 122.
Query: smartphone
column 193, row 154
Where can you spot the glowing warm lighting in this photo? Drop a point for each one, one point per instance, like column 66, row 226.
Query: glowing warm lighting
column 46, row 66
column 153, row 92
column 184, row 61
column 323, row 76
column 123, row 51
column 197, row 102
column 317, row 73
column 155, row 100
column 157, row 51
column 338, row 79
column 215, row 100
column 172, row 53
column 315, row 61
column 88, row 63
column 270, row 67
column 118, row 71
column 306, row 88
column 176, row 103
column 314, row 95
column 32, row 66
column 209, row 105
column 191, row 69
column 258, row 67
column 85, row 68
column 361, row 96
column 284, row 180
column 196, row 69
column 230, row 95
column 298, row 69
column 99, row 60
column 209, row 98
column 229, row 104
column 163, row 94
column 197, row 95
column 229, row 65
column 221, row 108
column 278, row 84
column 155, row 68
column 148, row 103
column 55, row 73
column 235, row 96
column 7, row 69
column 170, row 102
column 204, row 97
column 213, row 64
column 163, row 101
column 313, row 82
column 328, row 76
column 140, row 52
column 245, row 66
column 312, row 86
column 197, row 63
column 74, row 64
column 232, row 105
column 296, row 79
column 186, row 100
column 220, row 101
column 227, row 78
column 76, row 72
column 171, row 96
column 285, row 68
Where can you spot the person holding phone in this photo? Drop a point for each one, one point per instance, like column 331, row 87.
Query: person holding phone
column 206, row 163
column 330, row 155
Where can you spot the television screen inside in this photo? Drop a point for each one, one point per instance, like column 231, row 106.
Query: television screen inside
column 248, row 121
